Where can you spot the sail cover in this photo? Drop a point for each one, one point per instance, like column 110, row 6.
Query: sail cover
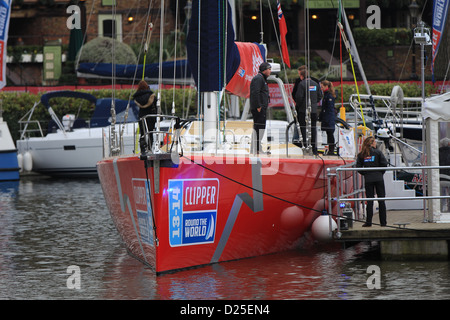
column 222, row 60
column 178, row 69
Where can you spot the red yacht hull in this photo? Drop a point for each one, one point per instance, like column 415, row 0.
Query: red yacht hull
column 210, row 210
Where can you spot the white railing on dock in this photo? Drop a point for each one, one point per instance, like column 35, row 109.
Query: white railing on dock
column 358, row 189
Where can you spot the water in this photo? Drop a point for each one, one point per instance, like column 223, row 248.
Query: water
column 47, row 225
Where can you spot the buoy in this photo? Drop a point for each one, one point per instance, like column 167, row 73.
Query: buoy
column 27, row 161
column 20, row 161
column 292, row 217
column 321, row 227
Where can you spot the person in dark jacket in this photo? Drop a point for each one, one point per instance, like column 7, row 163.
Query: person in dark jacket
column 327, row 115
column 308, row 90
column 146, row 101
column 298, row 80
column 370, row 157
column 259, row 101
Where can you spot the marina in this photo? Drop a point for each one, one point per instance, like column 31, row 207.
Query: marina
column 146, row 202
column 69, row 225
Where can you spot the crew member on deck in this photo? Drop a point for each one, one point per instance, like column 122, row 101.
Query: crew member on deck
column 259, row 101
column 327, row 115
column 146, row 101
column 308, row 91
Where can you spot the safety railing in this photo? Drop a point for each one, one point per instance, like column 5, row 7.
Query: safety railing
column 358, row 189
column 161, row 136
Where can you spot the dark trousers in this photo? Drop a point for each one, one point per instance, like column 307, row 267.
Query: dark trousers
column 371, row 188
column 151, row 121
column 302, row 122
column 259, row 126
column 330, row 140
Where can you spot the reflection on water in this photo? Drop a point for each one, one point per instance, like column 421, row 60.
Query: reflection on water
column 47, row 225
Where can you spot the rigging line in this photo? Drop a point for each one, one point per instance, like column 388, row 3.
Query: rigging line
column 199, row 95
column 175, row 58
column 406, row 58
column 143, row 39
column 131, row 33
column 261, row 20
column 307, row 75
column 161, row 42
column 342, row 109
column 347, row 46
column 114, row 148
column 332, row 52
column 135, row 72
column 224, row 78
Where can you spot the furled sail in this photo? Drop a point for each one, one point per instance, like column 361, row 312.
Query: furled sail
column 222, row 60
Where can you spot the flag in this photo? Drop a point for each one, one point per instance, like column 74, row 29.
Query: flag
column 5, row 11
column 440, row 8
column 283, row 31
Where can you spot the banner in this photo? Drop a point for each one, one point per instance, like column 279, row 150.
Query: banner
column 5, row 11
column 251, row 57
column 283, row 31
column 440, row 8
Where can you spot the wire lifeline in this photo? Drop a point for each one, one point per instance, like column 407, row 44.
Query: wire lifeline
column 290, row 202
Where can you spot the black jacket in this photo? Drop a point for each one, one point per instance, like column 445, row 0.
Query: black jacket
column 145, row 99
column 328, row 113
column 315, row 94
column 374, row 160
column 297, row 82
column 259, row 93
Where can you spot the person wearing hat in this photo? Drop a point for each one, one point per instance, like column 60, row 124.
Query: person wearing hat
column 259, row 101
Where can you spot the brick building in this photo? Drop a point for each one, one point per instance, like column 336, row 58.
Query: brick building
column 37, row 24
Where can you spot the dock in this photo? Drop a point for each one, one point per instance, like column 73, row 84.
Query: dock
column 406, row 236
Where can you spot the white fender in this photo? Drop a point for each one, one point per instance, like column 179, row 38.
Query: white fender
column 27, row 161
column 20, row 161
column 321, row 228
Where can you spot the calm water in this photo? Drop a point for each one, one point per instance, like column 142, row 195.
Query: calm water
column 47, row 225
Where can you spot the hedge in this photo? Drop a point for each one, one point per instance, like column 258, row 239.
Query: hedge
column 17, row 104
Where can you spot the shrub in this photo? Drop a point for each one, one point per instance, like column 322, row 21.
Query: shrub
column 99, row 50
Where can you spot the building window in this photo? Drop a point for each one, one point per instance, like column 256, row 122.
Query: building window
column 107, row 26
column 108, row 2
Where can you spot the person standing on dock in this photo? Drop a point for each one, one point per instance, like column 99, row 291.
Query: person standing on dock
column 371, row 157
column 259, row 102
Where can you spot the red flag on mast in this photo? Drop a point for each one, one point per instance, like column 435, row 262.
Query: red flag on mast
column 283, row 31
